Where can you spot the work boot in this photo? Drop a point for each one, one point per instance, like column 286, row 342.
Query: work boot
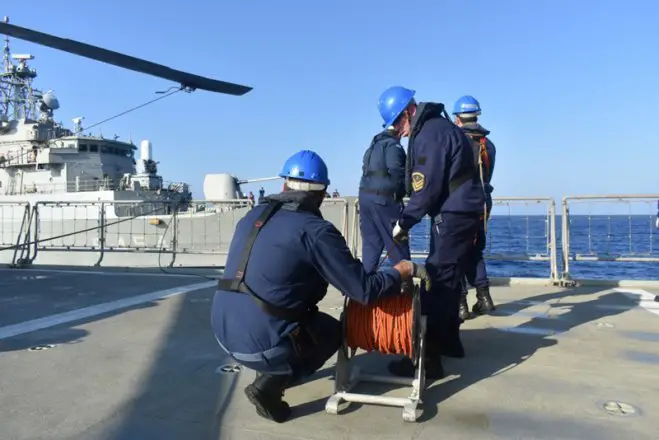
column 405, row 368
column 484, row 302
column 266, row 393
column 464, row 308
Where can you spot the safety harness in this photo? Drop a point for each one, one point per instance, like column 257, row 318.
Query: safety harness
column 424, row 112
column 237, row 284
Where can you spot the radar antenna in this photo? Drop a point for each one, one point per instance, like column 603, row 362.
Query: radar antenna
column 188, row 81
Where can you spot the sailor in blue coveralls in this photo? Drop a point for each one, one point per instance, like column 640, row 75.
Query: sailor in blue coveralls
column 281, row 259
column 466, row 111
column 444, row 185
column 382, row 188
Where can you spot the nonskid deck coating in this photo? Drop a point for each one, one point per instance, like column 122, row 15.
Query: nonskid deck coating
column 541, row 368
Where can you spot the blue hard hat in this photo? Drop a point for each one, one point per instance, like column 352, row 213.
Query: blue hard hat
column 392, row 102
column 307, row 166
column 466, row 104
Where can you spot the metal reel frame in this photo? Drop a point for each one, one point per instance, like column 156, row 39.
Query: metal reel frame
column 347, row 376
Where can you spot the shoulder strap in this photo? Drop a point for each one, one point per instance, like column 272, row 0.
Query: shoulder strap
column 484, row 158
column 262, row 219
column 237, row 283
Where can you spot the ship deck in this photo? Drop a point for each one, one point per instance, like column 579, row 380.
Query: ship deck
column 112, row 355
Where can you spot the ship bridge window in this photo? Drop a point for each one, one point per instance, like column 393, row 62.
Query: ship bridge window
column 104, row 149
column 93, row 148
column 82, row 147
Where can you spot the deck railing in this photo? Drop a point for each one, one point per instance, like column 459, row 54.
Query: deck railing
column 523, row 239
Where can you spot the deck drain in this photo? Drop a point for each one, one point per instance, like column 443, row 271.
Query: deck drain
column 41, row 347
column 228, row 369
column 603, row 324
column 616, row 408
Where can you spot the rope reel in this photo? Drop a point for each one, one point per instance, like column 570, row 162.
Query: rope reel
column 389, row 326
column 392, row 325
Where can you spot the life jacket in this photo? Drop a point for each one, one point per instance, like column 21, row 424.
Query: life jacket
column 367, row 170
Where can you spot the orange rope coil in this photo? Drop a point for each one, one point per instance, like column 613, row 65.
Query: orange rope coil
column 385, row 326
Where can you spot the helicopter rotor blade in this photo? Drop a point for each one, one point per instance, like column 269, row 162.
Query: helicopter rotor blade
column 187, row 80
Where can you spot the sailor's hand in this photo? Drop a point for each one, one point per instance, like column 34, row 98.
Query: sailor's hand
column 419, row 271
column 409, row 269
column 656, row 223
column 399, row 233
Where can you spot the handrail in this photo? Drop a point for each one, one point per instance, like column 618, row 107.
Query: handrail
column 208, row 231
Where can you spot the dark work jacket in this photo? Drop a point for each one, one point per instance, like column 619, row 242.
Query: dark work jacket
column 293, row 259
column 383, row 166
column 442, row 174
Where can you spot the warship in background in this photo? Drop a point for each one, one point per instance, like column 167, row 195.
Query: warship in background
column 43, row 161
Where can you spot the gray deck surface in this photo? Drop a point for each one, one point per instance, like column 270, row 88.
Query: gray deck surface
column 144, row 368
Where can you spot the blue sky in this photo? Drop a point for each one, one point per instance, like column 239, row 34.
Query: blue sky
column 568, row 88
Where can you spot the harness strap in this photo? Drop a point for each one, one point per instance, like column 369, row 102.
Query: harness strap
column 483, row 159
column 237, row 284
column 379, row 192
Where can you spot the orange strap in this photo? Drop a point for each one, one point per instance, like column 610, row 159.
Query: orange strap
column 484, row 156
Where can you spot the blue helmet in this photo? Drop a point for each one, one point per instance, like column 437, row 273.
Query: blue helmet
column 467, row 104
column 392, row 102
column 309, row 167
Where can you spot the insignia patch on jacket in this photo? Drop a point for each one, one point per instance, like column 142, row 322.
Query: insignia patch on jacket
column 418, row 180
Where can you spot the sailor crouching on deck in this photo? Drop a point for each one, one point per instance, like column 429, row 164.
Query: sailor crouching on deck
column 445, row 186
column 281, row 259
column 382, row 186
column 466, row 111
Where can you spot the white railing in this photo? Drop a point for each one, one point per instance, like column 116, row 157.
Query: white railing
column 591, row 234
column 87, row 185
column 522, row 238
column 521, row 229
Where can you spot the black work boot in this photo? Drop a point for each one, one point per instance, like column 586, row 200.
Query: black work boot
column 405, row 368
column 464, row 308
column 266, row 393
column 484, row 302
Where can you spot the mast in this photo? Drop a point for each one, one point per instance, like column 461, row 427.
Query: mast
column 18, row 98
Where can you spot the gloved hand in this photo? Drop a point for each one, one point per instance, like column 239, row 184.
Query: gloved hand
column 418, row 271
column 656, row 223
column 399, row 233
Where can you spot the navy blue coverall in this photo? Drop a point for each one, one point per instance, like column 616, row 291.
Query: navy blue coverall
column 446, row 186
column 290, row 264
column 381, row 192
column 475, row 270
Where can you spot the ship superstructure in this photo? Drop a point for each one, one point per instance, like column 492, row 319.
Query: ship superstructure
column 41, row 160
